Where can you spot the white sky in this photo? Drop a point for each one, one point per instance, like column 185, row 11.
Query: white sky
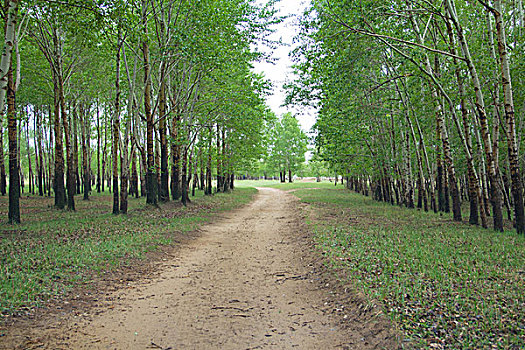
column 280, row 71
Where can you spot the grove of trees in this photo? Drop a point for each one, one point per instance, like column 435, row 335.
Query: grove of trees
column 142, row 97
column 421, row 102
column 287, row 147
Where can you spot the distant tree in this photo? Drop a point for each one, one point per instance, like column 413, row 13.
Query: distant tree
column 288, row 147
column 317, row 167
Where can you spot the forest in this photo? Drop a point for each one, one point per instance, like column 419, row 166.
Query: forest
column 151, row 196
column 137, row 98
column 420, row 102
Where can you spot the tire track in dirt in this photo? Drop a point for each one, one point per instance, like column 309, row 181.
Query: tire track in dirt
column 242, row 285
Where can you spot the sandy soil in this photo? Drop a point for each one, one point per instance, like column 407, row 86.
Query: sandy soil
column 248, row 282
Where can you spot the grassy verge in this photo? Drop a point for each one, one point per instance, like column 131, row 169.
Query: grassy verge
column 53, row 250
column 444, row 284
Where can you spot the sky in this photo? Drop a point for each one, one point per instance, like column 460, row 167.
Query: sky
column 280, row 71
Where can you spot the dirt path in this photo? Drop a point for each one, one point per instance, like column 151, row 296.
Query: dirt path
column 242, row 285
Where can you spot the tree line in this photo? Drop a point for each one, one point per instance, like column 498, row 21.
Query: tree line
column 142, row 97
column 421, row 103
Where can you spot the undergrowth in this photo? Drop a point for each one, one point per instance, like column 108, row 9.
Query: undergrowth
column 444, row 284
column 54, row 250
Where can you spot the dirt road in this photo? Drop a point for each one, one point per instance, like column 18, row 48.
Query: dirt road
column 244, row 284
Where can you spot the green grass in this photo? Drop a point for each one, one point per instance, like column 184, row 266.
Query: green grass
column 55, row 250
column 255, row 183
column 298, row 184
column 444, row 284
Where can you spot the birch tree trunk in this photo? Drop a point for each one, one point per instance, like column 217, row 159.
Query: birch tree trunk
column 430, row 182
column 164, row 195
column 59, row 186
column 116, row 131
column 224, row 176
column 473, row 180
column 151, row 178
column 99, row 180
column 103, row 175
column 163, row 39
column 40, row 146
column 3, row 179
column 175, row 156
column 442, row 134
column 85, row 168
column 219, row 159
column 19, row 159
column 9, row 43
column 36, row 148
column 50, row 158
column 28, row 151
column 451, row 172
column 70, row 175
column 208, row 191
column 409, row 191
column 124, row 163
column 482, row 115
column 484, row 199
column 422, row 196
column 134, row 175
column 156, row 143
column 7, row 87
column 517, row 186
column 192, row 176
column 421, row 191
column 74, row 115
column 202, row 183
column 126, row 157
column 14, row 180
column 184, row 177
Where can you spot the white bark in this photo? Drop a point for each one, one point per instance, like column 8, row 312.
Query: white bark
column 517, row 188
column 18, row 66
column 9, row 43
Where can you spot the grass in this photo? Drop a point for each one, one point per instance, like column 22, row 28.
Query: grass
column 444, row 284
column 255, row 183
column 283, row 186
column 55, row 250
